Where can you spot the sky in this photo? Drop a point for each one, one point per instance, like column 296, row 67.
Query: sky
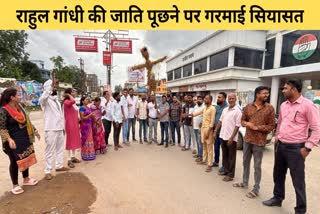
column 42, row 45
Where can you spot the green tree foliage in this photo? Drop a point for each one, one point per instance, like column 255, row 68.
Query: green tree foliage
column 67, row 74
column 118, row 88
column 30, row 71
column 12, row 52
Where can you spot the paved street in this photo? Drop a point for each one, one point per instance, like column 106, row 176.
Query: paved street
column 153, row 179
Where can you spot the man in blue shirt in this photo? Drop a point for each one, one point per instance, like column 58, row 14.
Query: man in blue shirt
column 221, row 104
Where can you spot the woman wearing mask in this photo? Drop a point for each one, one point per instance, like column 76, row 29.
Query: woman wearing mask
column 86, row 116
column 17, row 135
column 97, row 128
column 73, row 141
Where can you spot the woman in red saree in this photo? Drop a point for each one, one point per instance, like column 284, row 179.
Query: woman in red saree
column 97, row 127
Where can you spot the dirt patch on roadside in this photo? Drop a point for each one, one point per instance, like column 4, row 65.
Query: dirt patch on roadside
column 65, row 193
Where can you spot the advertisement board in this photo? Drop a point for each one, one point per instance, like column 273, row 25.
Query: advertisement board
column 86, row 44
column 106, row 58
column 121, row 46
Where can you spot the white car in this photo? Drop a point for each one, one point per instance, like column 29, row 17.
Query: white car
column 242, row 133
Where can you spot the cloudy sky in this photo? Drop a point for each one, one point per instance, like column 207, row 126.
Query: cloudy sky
column 45, row 44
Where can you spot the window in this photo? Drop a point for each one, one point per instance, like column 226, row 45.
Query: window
column 170, row 75
column 219, row 60
column 248, row 58
column 200, row 66
column 177, row 73
column 187, row 70
column 287, row 58
column 269, row 56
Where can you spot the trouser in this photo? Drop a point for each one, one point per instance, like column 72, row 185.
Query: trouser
column 170, row 132
column 107, row 129
column 153, row 125
column 189, row 137
column 197, row 134
column 250, row 150
column 217, row 143
column 54, row 147
column 229, row 154
column 175, row 126
column 132, row 125
column 289, row 156
column 13, row 168
column 125, row 126
column 116, row 133
column 207, row 155
column 143, row 125
column 164, row 131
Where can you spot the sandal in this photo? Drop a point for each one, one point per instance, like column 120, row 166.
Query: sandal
column 227, row 179
column 240, row 185
column 252, row 194
column 209, row 168
column 31, row 182
column 17, row 190
column 75, row 160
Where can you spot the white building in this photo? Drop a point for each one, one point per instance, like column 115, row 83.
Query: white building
column 239, row 61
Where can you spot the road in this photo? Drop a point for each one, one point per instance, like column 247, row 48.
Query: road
column 153, row 179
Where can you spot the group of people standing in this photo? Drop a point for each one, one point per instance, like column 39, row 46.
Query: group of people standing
column 206, row 129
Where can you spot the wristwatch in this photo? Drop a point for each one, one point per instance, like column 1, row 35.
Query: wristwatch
column 308, row 149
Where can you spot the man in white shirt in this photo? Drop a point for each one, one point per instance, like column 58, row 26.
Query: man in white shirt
column 106, row 104
column 153, row 119
column 117, row 118
column 125, row 112
column 53, row 127
column 132, row 102
column 230, row 122
column 197, row 122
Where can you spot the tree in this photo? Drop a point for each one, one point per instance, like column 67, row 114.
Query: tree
column 57, row 62
column 12, row 52
column 30, row 71
column 118, row 88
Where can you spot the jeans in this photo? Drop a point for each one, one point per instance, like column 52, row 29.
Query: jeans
column 250, row 150
column 175, row 126
column 153, row 126
column 107, row 129
column 164, row 131
column 143, row 125
column 218, row 142
column 197, row 133
column 125, row 126
column 132, row 125
column 189, row 136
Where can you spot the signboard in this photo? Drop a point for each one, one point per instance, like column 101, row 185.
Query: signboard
column 121, row 46
column 135, row 76
column 183, row 89
column 199, row 87
column 305, row 46
column 86, row 44
column 106, row 58
column 142, row 90
column 29, row 92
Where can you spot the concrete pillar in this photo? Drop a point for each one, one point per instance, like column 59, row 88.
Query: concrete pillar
column 231, row 57
column 275, row 84
column 208, row 63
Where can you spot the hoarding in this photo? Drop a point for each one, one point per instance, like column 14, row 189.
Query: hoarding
column 135, row 76
column 86, row 44
column 121, row 46
column 106, row 58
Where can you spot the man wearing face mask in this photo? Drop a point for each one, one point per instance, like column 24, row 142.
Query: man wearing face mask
column 53, row 127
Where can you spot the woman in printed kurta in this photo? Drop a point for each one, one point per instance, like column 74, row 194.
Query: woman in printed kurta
column 87, row 148
column 17, row 135
column 97, row 128
column 73, row 141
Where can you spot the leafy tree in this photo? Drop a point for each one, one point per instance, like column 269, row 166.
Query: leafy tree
column 58, row 62
column 118, row 88
column 12, row 52
column 30, row 71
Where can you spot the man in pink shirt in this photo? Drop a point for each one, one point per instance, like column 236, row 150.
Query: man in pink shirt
column 293, row 144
